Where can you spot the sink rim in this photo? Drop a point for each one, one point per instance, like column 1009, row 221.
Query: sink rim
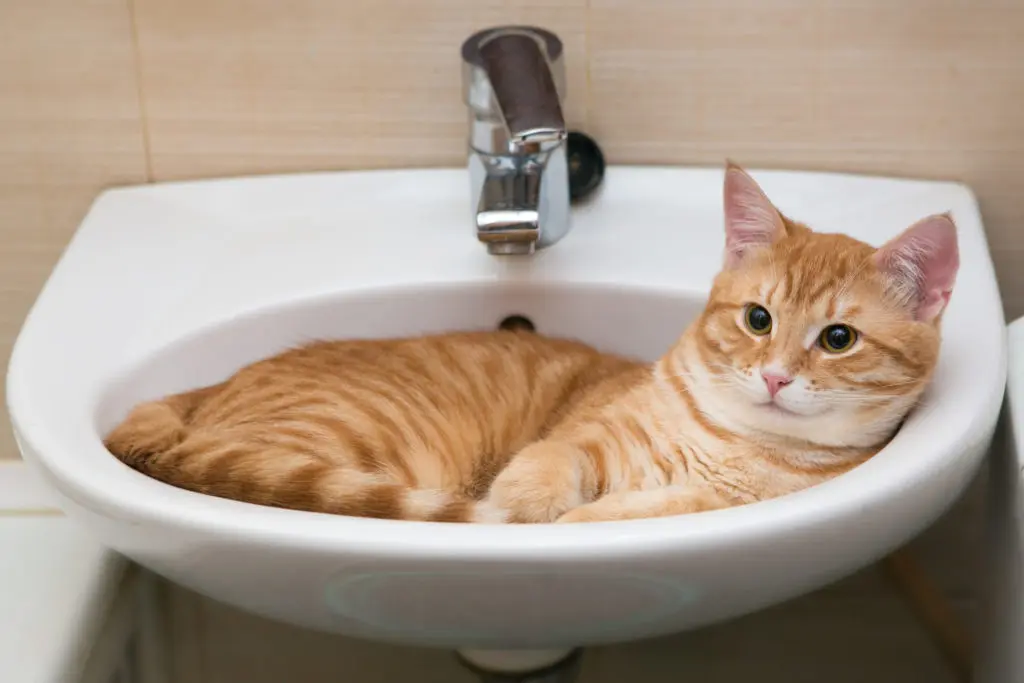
column 148, row 501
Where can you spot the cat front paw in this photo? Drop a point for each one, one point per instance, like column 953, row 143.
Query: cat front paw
column 526, row 503
column 583, row 513
column 539, row 485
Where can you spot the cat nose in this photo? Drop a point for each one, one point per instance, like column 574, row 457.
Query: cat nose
column 775, row 382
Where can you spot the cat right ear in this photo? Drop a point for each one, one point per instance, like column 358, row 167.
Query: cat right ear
column 751, row 220
column 921, row 264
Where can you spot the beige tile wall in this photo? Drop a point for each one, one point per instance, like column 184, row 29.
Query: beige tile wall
column 69, row 125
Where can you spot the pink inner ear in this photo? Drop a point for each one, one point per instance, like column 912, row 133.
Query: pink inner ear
column 751, row 221
column 922, row 264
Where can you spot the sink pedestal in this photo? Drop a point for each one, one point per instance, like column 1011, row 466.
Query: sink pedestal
column 523, row 666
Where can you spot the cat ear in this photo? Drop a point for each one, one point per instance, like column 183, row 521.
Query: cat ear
column 751, row 221
column 921, row 264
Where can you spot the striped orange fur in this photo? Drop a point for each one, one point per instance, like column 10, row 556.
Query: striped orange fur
column 759, row 397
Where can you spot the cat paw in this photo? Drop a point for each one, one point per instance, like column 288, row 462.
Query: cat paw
column 664, row 502
column 524, row 503
column 583, row 513
column 539, row 485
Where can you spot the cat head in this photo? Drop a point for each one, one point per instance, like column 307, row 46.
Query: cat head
column 817, row 336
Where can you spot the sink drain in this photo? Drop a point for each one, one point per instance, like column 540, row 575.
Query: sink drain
column 517, row 322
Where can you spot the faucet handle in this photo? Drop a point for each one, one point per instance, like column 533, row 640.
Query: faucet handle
column 515, row 73
column 524, row 88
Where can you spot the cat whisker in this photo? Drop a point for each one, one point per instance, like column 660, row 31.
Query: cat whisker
column 706, row 384
column 721, row 366
column 867, row 391
column 705, row 381
column 899, row 383
column 868, row 399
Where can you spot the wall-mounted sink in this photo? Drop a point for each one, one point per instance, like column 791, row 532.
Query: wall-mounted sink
column 169, row 286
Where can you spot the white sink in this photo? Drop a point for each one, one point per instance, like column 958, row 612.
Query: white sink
column 170, row 286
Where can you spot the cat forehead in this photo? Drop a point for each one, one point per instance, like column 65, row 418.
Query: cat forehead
column 821, row 254
column 816, row 274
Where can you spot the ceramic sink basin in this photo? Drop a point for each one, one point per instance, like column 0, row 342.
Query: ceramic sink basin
column 169, row 286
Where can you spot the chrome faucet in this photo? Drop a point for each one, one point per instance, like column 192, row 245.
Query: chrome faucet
column 513, row 81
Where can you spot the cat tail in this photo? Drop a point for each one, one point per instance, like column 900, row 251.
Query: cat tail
column 155, row 439
column 154, row 427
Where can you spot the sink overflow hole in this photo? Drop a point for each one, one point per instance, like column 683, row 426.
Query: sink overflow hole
column 517, row 322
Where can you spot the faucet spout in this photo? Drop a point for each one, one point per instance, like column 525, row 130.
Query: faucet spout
column 508, row 216
column 514, row 83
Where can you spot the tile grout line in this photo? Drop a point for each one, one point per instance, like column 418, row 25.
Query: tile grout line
column 147, row 146
column 22, row 494
column 586, row 63
column 30, row 512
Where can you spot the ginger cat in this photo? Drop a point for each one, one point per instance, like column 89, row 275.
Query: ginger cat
column 811, row 351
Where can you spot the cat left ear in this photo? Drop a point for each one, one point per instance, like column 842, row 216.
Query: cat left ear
column 921, row 264
column 751, row 220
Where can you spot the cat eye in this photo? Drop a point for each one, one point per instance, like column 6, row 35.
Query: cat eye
column 837, row 338
column 758, row 319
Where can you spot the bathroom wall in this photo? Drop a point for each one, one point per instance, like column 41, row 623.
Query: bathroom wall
column 95, row 93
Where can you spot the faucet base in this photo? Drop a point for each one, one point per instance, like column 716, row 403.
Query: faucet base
column 511, row 248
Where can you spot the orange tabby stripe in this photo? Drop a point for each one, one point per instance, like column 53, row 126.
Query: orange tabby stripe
column 682, row 389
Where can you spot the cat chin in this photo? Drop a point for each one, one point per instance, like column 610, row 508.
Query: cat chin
column 778, row 419
column 773, row 408
column 831, row 428
column 773, row 418
column 802, row 411
column 761, row 405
